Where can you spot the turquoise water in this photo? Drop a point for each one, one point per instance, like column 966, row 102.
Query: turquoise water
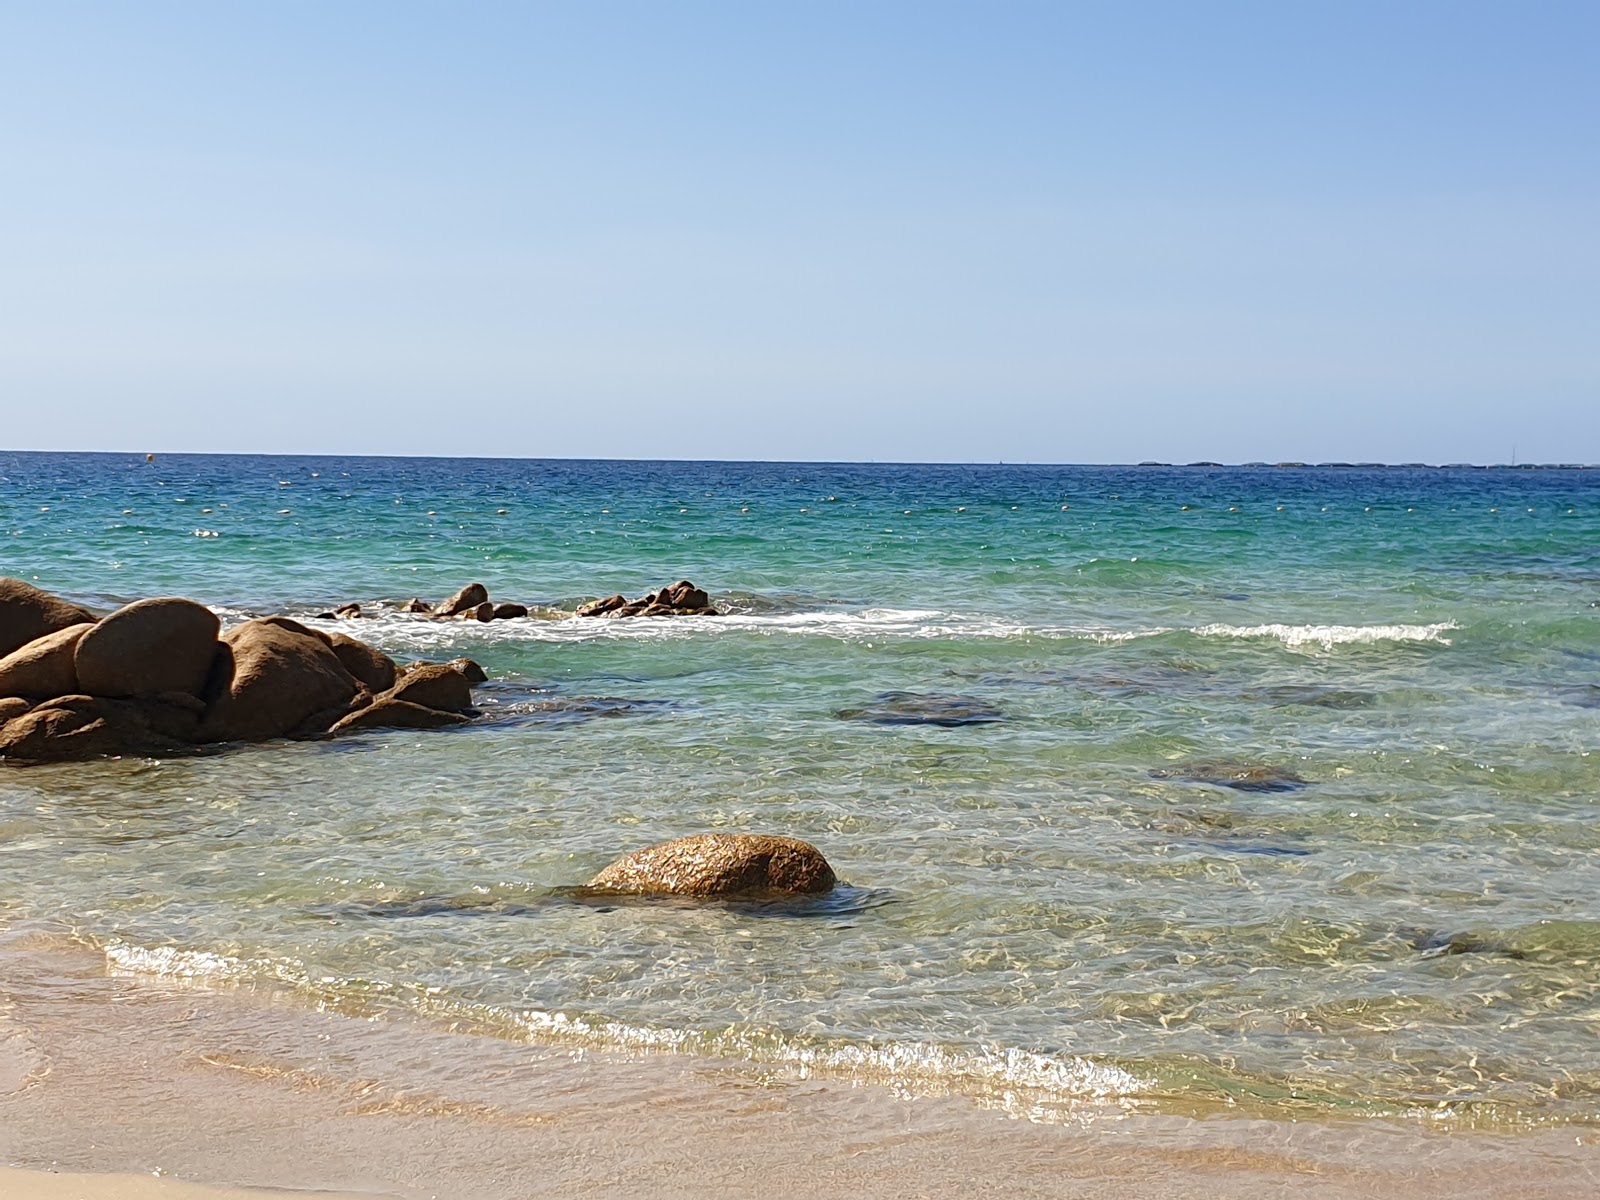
column 1063, row 903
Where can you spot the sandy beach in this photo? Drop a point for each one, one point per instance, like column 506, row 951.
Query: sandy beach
column 135, row 1088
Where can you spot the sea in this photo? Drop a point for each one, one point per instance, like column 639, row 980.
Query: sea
column 1264, row 789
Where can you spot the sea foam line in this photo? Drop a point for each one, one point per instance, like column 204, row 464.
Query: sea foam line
column 1023, row 1082
column 1329, row 636
column 406, row 634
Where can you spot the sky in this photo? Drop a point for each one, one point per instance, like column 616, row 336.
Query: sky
column 1053, row 232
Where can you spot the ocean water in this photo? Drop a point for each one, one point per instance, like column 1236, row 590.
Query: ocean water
column 1279, row 793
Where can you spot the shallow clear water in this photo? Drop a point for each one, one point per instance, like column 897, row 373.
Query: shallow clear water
column 1065, row 902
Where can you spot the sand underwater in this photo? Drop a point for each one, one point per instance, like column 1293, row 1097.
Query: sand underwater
column 1203, row 831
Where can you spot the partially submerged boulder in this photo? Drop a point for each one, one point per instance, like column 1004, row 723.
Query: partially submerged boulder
column 269, row 678
column 467, row 598
column 28, row 613
column 721, row 864
column 387, row 712
column 434, row 685
column 160, row 645
column 44, row 667
column 75, row 727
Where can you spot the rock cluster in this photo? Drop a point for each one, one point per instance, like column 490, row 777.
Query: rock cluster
column 681, row 599
column 159, row 677
column 720, row 864
column 471, row 603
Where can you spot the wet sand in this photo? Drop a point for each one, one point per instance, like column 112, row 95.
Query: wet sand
column 140, row 1088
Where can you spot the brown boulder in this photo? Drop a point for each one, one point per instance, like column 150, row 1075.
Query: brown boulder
column 599, row 608
column 160, row 645
column 433, row 685
column 720, row 864
column 77, row 727
column 372, row 667
column 506, row 612
column 386, row 712
column 681, row 599
column 12, row 706
column 270, row 676
column 473, row 672
column 481, row 612
column 684, row 594
column 415, row 605
column 347, row 612
column 470, row 596
column 28, row 613
column 43, row 668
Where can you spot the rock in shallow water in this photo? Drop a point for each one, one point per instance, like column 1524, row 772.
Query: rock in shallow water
column 1241, row 777
column 271, row 676
column 721, row 864
column 912, row 708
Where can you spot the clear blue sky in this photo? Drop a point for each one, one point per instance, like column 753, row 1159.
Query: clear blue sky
column 920, row 231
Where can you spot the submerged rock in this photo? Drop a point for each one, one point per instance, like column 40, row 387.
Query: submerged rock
column 415, row 605
column 160, row 645
column 28, row 613
column 720, row 864
column 913, row 708
column 44, row 667
column 508, row 612
column 1241, row 777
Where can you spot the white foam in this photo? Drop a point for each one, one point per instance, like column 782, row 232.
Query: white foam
column 1329, row 636
column 399, row 633
column 1023, row 1082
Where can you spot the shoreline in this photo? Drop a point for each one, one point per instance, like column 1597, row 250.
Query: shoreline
column 110, row 1078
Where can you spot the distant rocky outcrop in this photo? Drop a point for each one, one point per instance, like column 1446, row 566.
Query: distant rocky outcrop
column 720, row 864
column 155, row 678
column 681, row 599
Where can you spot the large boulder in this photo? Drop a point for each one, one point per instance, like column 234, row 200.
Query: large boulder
column 468, row 598
column 269, row 679
column 44, row 667
column 160, row 645
column 434, row 685
column 12, row 706
column 77, row 727
column 720, row 864
column 28, row 613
